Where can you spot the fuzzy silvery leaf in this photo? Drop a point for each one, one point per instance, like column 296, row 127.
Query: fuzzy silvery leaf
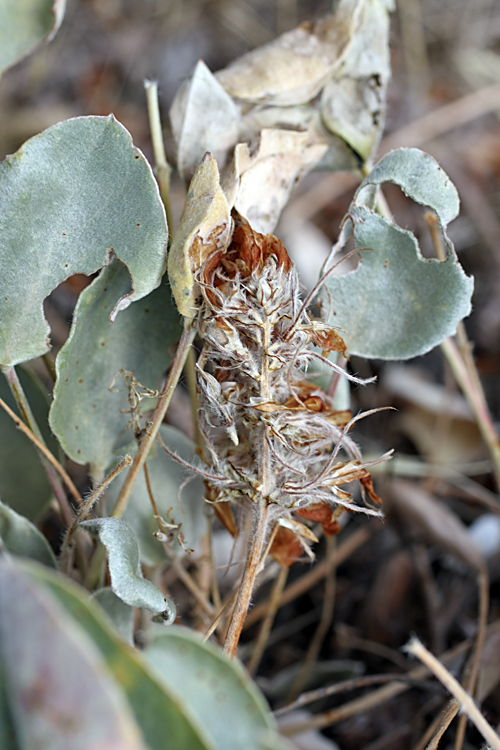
column 24, row 24
column 184, row 507
column 23, row 480
column 164, row 720
column 90, row 420
column 21, row 537
column 203, row 675
column 127, row 580
column 168, row 716
column 204, row 118
column 42, row 645
column 205, row 226
column 69, row 199
column 293, row 68
column 396, row 304
column 353, row 100
column 120, row 614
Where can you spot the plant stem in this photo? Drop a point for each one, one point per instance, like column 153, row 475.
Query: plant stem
column 85, row 510
column 247, row 583
column 265, row 629
column 30, row 428
column 153, row 426
column 163, row 169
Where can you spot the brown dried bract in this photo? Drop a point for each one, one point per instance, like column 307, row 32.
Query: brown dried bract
column 271, row 435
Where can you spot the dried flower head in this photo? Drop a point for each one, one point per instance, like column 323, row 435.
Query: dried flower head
column 288, row 446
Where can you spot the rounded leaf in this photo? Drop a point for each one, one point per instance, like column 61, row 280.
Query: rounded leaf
column 62, row 694
column 218, row 690
column 70, row 198
column 24, row 24
column 90, row 420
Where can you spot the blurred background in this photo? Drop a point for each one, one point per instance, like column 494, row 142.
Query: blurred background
column 413, row 573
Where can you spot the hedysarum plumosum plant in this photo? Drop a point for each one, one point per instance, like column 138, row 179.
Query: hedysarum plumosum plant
column 274, row 451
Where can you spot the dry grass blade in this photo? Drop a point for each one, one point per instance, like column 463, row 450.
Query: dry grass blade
column 417, row 649
column 372, row 700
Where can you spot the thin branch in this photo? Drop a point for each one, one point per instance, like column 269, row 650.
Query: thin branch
column 244, row 596
column 323, row 625
column 315, row 575
column 267, row 623
column 44, row 450
column 163, row 168
column 472, row 668
column 167, row 392
column 372, row 700
column 417, row 649
column 85, row 509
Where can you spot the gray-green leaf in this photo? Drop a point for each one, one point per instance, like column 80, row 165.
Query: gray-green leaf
column 120, row 614
column 24, row 24
column 220, row 693
column 21, row 537
column 70, row 198
column 396, row 304
column 165, row 717
column 90, row 420
column 23, row 480
column 127, row 581
column 185, row 507
column 61, row 692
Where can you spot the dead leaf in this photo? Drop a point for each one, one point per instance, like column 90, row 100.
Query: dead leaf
column 293, row 68
column 268, row 175
column 194, row 132
column 205, row 227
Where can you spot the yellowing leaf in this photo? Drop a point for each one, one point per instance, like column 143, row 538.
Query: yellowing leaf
column 204, row 228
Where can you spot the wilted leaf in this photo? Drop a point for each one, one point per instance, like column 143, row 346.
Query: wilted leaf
column 163, row 719
column 184, row 507
column 69, row 198
column 62, row 694
column 396, row 304
column 127, row 581
column 120, row 614
column 24, row 24
column 21, row 537
column 293, row 68
column 353, row 101
column 220, row 693
column 23, row 480
column 268, row 176
column 205, row 227
column 204, row 118
column 90, row 420
column 438, row 523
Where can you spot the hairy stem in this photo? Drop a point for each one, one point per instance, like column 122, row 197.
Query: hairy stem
column 249, row 575
column 31, row 429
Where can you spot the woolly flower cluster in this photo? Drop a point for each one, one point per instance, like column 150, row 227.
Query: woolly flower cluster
column 286, row 441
